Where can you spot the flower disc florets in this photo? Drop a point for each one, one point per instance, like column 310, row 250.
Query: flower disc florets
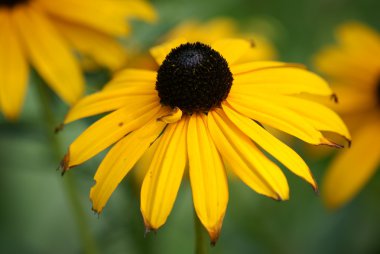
column 11, row 3
column 194, row 78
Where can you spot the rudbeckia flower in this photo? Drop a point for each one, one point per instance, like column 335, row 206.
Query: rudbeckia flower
column 354, row 69
column 44, row 33
column 204, row 110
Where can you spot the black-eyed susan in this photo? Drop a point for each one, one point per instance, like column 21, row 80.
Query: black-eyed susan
column 203, row 110
column 44, row 33
column 354, row 69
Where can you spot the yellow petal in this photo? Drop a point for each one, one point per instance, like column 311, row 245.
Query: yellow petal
column 13, row 69
column 207, row 33
column 277, row 116
column 353, row 168
column 102, row 48
column 161, row 51
column 232, row 49
column 107, row 131
column 120, row 160
column 207, row 177
column 135, row 9
column 109, row 100
column 245, row 159
column 162, row 181
column 338, row 63
column 49, row 54
column 271, row 144
column 172, row 117
column 319, row 116
column 278, row 79
column 369, row 43
column 132, row 78
column 98, row 14
column 254, row 66
column 352, row 99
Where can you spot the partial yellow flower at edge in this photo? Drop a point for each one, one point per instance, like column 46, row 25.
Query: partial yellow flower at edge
column 192, row 121
column 44, row 33
column 353, row 66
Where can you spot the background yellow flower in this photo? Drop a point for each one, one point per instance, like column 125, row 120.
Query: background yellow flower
column 353, row 66
column 43, row 34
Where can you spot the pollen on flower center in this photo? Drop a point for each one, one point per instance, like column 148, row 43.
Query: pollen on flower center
column 194, row 78
column 11, row 3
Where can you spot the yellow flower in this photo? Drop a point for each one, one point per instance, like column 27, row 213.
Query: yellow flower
column 199, row 108
column 43, row 33
column 354, row 69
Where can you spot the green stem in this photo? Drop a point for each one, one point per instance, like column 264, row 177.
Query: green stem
column 201, row 239
column 69, row 185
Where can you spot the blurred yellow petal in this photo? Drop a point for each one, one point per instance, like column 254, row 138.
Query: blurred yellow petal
column 161, row 51
column 120, row 160
column 103, row 48
column 348, row 35
column 107, row 131
column 279, row 79
column 207, row 32
column 13, row 69
column 97, row 14
column 231, row 49
column 352, row 99
column 262, row 49
column 353, row 167
column 271, row 144
column 245, row 159
column 338, row 64
column 109, row 100
column 49, row 54
column 207, row 176
column 277, row 116
column 135, row 9
column 161, row 183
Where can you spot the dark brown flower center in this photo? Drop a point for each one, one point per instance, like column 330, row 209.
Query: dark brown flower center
column 194, row 78
column 11, row 3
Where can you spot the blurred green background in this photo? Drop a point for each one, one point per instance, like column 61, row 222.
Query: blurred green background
column 36, row 216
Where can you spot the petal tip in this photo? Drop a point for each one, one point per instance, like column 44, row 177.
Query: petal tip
column 325, row 141
column 148, row 229
column 64, row 164
column 59, row 128
column 214, row 236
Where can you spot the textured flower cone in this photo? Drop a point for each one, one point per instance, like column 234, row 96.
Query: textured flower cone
column 198, row 110
column 44, row 33
column 354, row 68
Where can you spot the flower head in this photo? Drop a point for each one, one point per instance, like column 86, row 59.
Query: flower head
column 199, row 108
column 43, row 33
column 354, row 69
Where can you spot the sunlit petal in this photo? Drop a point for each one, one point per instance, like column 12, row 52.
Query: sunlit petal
column 207, row 176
